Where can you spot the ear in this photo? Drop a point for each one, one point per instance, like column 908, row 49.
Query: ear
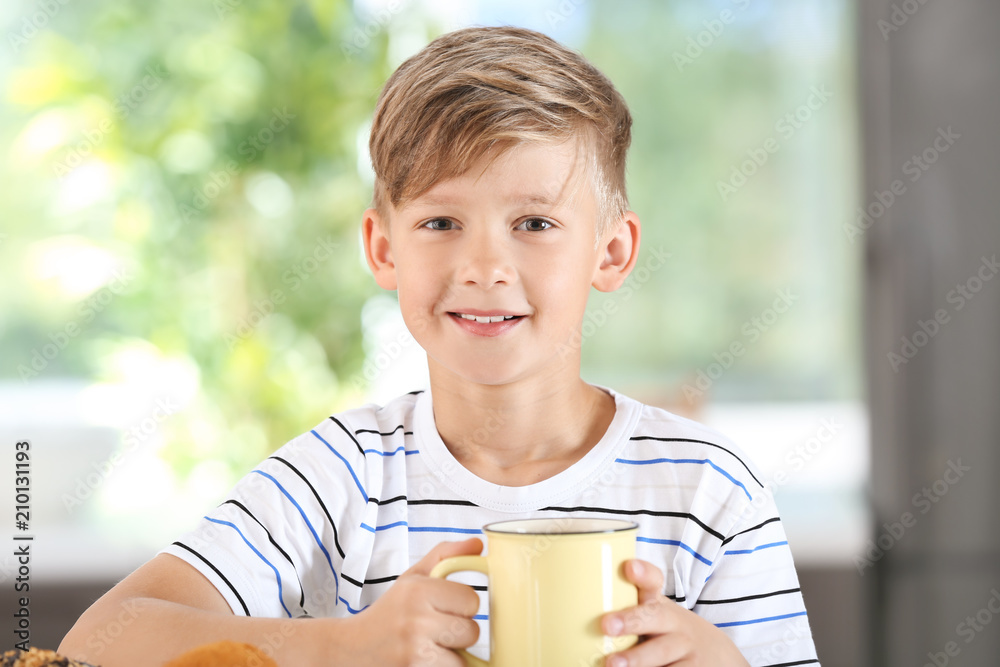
column 618, row 252
column 378, row 249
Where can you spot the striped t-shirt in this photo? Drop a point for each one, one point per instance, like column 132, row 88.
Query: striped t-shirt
column 326, row 524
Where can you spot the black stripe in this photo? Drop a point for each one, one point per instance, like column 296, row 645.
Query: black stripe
column 702, row 442
column 792, row 664
column 349, row 434
column 371, row 430
column 336, row 540
column 386, row 502
column 414, row 393
column 751, row 597
column 462, row 503
column 680, row 515
column 379, row 580
column 677, row 599
column 221, row 576
column 302, row 593
column 757, row 527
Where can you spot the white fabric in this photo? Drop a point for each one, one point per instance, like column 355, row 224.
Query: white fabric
column 325, row 525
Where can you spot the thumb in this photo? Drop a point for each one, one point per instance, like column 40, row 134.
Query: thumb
column 470, row 547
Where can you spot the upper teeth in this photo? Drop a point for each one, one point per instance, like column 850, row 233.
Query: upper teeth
column 484, row 319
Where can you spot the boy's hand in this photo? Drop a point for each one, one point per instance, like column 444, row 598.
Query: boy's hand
column 419, row 619
column 669, row 633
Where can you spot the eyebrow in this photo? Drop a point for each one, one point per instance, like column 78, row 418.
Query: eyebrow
column 534, row 199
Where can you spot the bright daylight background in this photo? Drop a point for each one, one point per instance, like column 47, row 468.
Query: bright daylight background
column 182, row 284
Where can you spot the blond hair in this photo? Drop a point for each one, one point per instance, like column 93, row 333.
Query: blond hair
column 480, row 91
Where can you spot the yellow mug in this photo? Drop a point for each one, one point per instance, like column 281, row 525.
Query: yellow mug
column 550, row 581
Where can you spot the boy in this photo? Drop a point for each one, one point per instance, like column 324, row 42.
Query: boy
column 499, row 202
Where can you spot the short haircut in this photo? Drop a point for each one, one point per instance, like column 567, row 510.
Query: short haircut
column 480, row 91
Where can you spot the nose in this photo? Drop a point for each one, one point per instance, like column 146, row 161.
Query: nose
column 486, row 260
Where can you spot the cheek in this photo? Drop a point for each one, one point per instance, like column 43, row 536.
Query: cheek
column 566, row 286
column 572, row 273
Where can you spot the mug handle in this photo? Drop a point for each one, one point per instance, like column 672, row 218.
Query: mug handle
column 459, row 564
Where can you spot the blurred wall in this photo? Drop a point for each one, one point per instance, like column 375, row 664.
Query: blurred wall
column 930, row 82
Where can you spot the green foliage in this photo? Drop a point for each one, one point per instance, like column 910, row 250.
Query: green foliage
column 182, row 190
column 207, row 152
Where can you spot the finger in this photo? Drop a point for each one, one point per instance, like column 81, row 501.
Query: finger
column 433, row 655
column 455, row 631
column 648, row 618
column 647, row 577
column 451, row 597
column 470, row 547
column 653, row 653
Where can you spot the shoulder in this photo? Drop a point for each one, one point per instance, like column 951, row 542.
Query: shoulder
column 700, row 458
column 357, row 428
column 346, row 441
column 658, row 425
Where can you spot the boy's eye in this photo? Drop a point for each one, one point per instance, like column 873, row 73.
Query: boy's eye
column 533, row 224
column 439, row 224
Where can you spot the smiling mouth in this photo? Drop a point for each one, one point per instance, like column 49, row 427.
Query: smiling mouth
column 483, row 319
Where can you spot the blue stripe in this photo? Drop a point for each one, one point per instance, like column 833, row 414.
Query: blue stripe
column 759, row 620
column 444, row 529
column 676, row 544
column 312, row 530
column 385, row 527
column 481, row 617
column 750, row 551
column 352, row 609
column 259, row 555
column 364, row 494
column 699, row 461
column 395, row 451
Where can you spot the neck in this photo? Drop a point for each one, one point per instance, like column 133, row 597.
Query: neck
column 521, row 432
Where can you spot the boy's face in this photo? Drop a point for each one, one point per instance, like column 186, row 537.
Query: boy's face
column 515, row 239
